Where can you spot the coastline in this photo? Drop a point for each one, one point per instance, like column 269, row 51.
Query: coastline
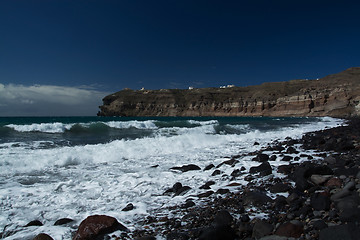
column 297, row 198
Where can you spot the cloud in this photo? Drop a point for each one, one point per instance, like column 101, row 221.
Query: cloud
column 49, row 100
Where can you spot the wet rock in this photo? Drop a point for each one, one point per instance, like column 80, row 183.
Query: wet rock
column 222, row 218
column 343, row 192
column 208, row 167
column 261, row 157
column 333, row 182
column 319, row 224
column 230, row 162
column 220, row 228
column 320, row 202
column 273, row 237
column 236, row 173
column 34, row 223
column 343, row 232
column 186, row 168
column 290, row 230
column 292, row 197
column 280, row 203
column 319, row 179
column 43, row 236
column 218, row 233
column 182, row 191
column 262, row 228
column 96, row 226
column 174, row 188
column 279, row 187
column 188, row 204
column 291, row 150
column 146, row 238
column 222, row 191
column 205, row 194
column 177, row 236
column 207, row 185
column 285, row 169
column 263, row 169
column 256, row 198
column 349, row 208
column 272, row 158
column 244, row 218
column 287, row 158
column 128, row 207
column 63, row 221
column 330, row 160
column 216, row 172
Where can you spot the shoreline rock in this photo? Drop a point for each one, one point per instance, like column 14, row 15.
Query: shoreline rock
column 316, row 198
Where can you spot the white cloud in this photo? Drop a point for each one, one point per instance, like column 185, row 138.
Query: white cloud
column 48, row 100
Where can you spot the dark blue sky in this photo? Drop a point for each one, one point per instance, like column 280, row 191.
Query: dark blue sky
column 110, row 45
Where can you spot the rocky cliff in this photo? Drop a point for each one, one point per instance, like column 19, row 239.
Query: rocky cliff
column 336, row 95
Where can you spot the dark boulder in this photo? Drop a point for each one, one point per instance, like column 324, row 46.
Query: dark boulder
column 34, row 223
column 96, row 226
column 177, row 236
column 263, row 169
column 261, row 157
column 343, row 232
column 279, row 187
column 128, row 207
column 43, row 236
column 256, row 198
column 262, row 228
column 208, row 167
column 290, row 229
column 63, row 221
column 182, row 191
column 186, row 168
column 320, row 201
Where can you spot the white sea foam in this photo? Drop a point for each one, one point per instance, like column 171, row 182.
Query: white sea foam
column 56, row 127
column 149, row 124
column 75, row 182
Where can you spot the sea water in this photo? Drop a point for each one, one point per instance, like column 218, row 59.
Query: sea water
column 73, row 167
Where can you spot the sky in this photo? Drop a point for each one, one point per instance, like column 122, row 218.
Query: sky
column 61, row 57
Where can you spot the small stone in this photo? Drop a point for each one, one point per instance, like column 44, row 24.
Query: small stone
column 287, row 158
column 279, row 188
column 186, row 168
column 63, row 221
column 290, row 230
column 330, row 159
column 34, row 223
column 208, row 167
column 333, row 182
column 319, row 179
column 128, row 207
column 43, row 236
column 263, row 169
column 216, row 172
column 182, row 191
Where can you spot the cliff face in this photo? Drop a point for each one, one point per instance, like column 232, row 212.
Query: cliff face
column 336, row 95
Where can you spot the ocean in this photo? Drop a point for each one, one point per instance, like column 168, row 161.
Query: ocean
column 73, row 167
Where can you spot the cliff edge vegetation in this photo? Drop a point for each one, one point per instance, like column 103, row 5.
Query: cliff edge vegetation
column 336, row 95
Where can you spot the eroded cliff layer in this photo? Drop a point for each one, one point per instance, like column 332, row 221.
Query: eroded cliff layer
column 336, row 95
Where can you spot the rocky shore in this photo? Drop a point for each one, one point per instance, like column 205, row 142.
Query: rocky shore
column 299, row 189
